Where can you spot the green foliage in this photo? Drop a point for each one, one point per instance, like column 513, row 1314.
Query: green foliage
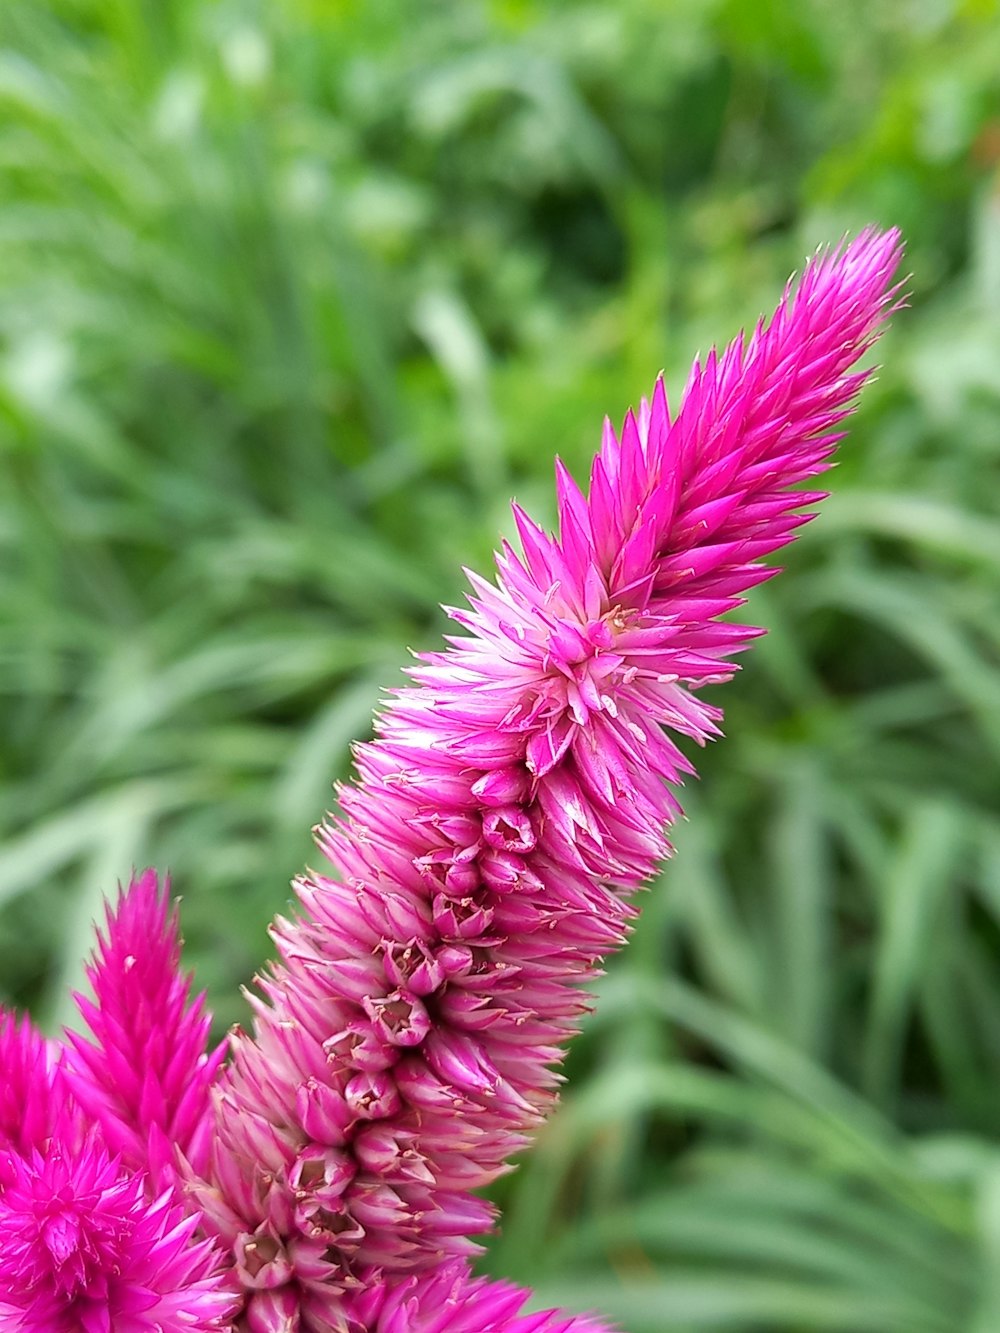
column 292, row 297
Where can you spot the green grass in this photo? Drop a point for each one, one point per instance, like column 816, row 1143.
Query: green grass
column 293, row 296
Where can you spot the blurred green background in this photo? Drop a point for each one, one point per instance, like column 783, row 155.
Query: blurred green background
column 293, row 296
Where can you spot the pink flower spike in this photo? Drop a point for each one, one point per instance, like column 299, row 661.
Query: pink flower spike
column 145, row 1077
column 515, row 796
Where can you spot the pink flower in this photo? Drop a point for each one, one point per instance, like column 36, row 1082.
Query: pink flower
column 85, row 1251
column 145, row 1075
column 407, row 1042
column 95, row 1236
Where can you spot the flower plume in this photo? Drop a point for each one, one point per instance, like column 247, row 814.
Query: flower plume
column 96, row 1235
column 481, row 866
column 406, row 1044
column 145, row 1075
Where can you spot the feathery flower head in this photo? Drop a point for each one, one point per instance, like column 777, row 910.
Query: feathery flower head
column 144, row 1076
column 96, row 1237
column 406, row 1043
column 85, row 1251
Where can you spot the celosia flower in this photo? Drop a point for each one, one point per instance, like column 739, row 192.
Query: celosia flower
column 85, row 1251
column 94, row 1236
column 407, row 1043
column 145, row 1076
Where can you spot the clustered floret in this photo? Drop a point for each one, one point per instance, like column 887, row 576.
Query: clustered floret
column 407, row 1042
column 98, row 1235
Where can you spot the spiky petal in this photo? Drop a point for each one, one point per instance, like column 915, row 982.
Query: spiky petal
column 449, row 1300
column 145, row 1076
column 513, row 797
column 84, row 1251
